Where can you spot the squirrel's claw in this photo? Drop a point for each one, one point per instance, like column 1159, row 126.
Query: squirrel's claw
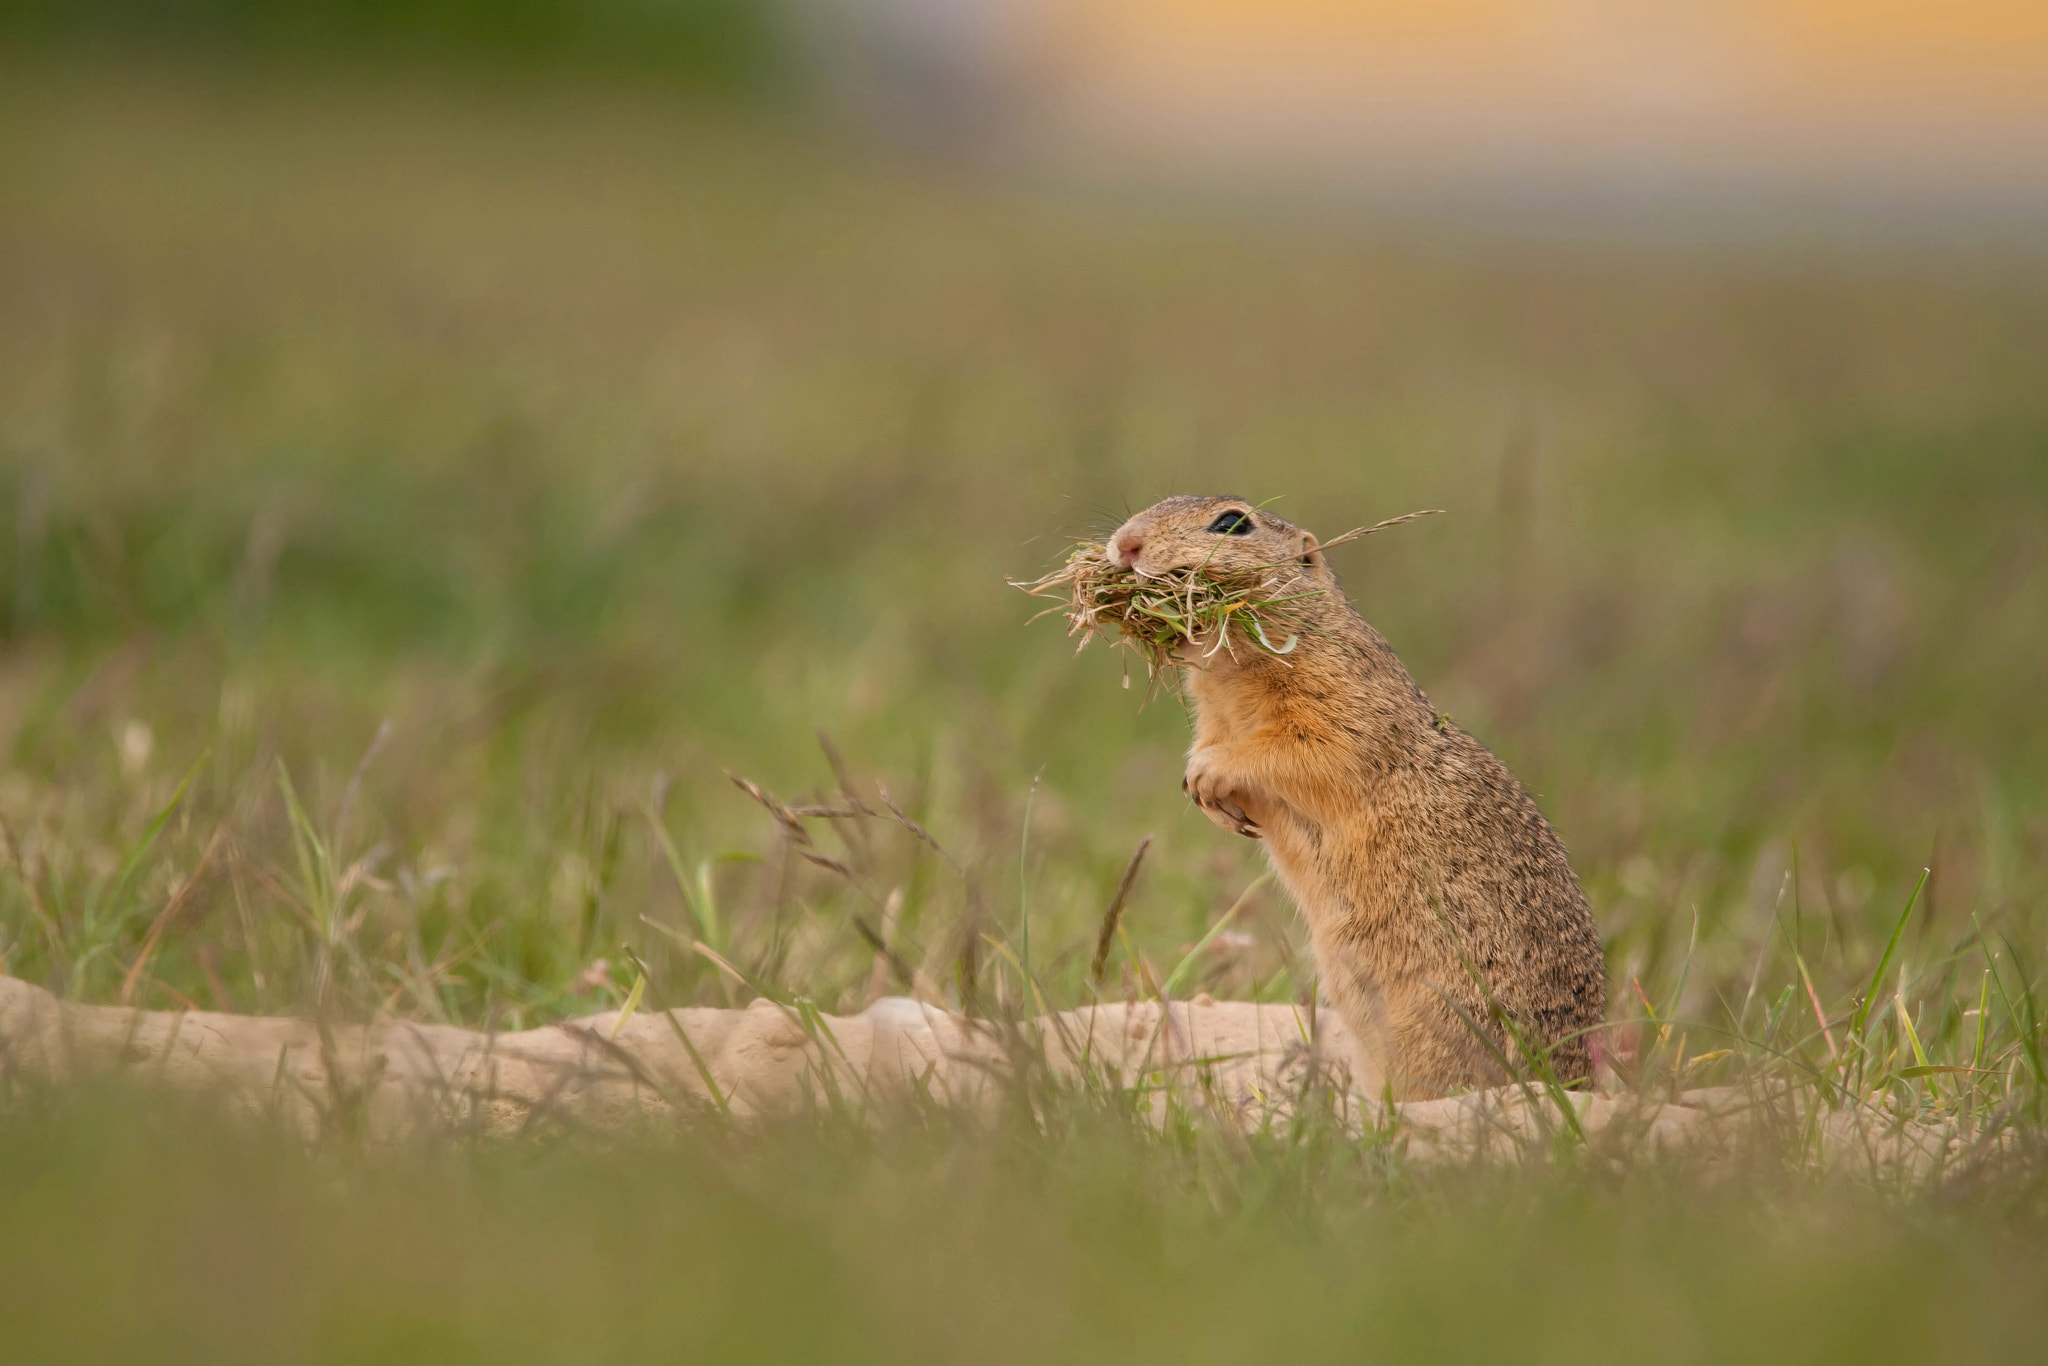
column 1212, row 785
column 1230, row 816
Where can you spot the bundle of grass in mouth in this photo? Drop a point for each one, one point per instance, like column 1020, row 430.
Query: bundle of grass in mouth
column 1159, row 616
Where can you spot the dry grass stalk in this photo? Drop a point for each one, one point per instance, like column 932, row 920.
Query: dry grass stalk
column 1157, row 617
column 1114, row 914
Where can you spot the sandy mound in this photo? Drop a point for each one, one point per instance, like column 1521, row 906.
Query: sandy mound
column 1249, row 1064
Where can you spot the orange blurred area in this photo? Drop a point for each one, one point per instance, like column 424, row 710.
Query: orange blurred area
column 1893, row 96
column 1813, row 51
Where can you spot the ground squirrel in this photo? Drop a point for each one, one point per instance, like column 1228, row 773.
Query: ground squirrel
column 1420, row 864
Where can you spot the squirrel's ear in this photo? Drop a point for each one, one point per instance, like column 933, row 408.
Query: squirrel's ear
column 1312, row 555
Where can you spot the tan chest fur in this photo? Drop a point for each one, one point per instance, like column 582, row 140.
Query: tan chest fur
column 1436, row 898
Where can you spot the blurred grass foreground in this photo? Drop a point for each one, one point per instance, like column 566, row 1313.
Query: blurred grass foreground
column 415, row 492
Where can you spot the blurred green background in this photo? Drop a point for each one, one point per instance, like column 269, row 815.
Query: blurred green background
column 432, row 451
column 736, row 46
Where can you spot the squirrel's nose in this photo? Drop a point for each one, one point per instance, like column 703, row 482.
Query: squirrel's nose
column 1125, row 547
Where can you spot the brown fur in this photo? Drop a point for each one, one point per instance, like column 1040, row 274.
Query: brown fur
column 1418, row 861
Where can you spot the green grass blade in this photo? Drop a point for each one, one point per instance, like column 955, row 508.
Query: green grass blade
column 150, row 832
column 1186, row 965
column 707, row 928
column 1862, row 1015
column 632, row 1002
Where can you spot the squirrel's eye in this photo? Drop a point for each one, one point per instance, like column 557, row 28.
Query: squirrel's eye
column 1232, row 523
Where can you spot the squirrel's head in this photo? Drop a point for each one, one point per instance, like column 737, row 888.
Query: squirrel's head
column 1223, row 534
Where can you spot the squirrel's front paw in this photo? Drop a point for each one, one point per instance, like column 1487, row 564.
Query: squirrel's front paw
column 1223, row 797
